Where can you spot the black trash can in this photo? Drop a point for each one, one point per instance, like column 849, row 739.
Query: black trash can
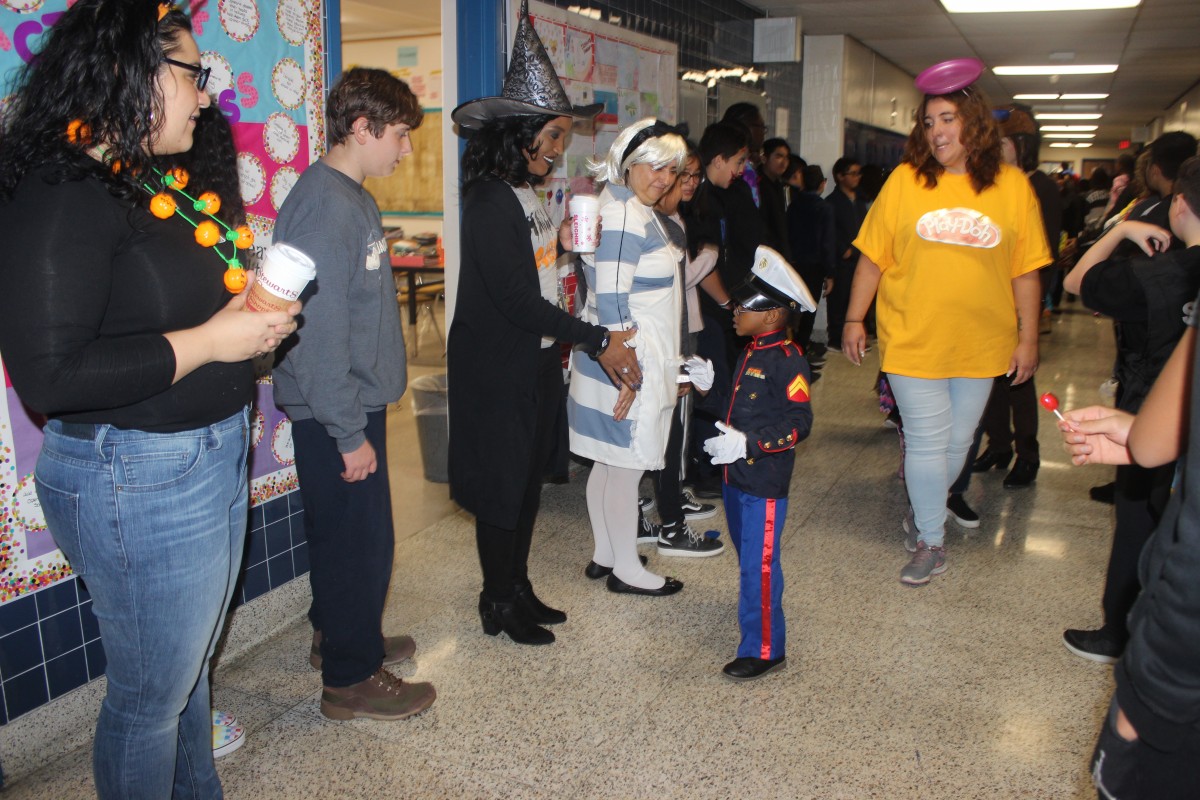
column 430, row 407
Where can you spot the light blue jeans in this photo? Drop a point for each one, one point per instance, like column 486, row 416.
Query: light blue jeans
column 154, row 524
column 940, row 417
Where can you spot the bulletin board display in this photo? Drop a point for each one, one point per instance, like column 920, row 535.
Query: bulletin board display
column 267, row 63
column 633, row 75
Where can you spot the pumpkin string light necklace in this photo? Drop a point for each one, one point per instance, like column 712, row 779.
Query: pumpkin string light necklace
column 208, row 234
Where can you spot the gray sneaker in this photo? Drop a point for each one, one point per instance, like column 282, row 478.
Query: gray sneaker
column 926, row 562
column 647, row 531
column 681, row 540
column 910, row 531
column 695, row 509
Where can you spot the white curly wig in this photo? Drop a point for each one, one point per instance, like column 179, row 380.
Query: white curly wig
column 665, row 148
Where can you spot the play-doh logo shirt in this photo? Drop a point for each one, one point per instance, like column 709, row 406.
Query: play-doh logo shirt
column 961, row 226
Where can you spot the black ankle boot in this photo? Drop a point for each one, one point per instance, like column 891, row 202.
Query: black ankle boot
column 535, row 609
column 989, row 459
column 509, row 617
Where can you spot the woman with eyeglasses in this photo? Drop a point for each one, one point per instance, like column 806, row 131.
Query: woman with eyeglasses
column 132, row 338
column 952, row 244
column 632, row 284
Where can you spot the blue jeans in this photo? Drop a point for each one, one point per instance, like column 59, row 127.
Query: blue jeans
column 154, row 524
column 940, row 417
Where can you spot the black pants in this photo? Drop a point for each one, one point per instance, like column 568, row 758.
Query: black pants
column 1021, row 403
column 711, row 344
column 504, row 552
column 350, row 547
column 838, row 300
column 1140, row 497
column 668, row 480
column 1137, row 771
column 814, row 279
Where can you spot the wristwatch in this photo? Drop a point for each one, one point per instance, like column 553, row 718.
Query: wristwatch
column 599, row 351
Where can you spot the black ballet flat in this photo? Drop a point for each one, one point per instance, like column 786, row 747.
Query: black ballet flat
column 595, row 571
column 749, row 668
column 619, row 586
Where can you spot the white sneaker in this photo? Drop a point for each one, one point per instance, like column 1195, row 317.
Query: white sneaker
column 227, row 734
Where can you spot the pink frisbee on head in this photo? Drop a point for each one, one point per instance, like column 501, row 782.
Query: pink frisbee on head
column 949, row 76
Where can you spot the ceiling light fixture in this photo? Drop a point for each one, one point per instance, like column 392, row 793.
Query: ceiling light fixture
column 1060, row 144
column 1069, row 136
column 1068, row 128
column 1057, row 69
column 1098, row 96
column 1083, row 144
column 1066, row 116
column 994, row 6
column 1035, row 97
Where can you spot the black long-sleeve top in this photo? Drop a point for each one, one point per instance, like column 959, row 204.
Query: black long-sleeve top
column 88, row 286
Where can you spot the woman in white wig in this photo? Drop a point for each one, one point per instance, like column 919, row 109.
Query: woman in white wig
column 632, row 283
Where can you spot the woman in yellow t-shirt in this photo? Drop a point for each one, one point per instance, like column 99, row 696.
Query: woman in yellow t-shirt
column 952, row 245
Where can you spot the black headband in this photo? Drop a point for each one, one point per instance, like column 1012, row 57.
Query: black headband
column 659, row 128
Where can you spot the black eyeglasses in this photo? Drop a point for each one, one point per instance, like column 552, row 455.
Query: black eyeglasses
column 201, row 73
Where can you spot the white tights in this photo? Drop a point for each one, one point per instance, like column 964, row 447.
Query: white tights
column 612, row 498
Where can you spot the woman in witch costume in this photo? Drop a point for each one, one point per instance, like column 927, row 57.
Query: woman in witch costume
column 505, row 372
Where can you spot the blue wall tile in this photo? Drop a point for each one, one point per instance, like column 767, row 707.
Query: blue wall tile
column 256, row 547
column 300, row 558
column 58, row 597
column 61, row 633
column 279, row 538
column 25, row 692
column 281, row 570
column 66, row 672
column 96, row 660
column 91, row 625
column 17, row 614
column 256, row 518
column 3, row 712
column 20, row 651
column 276, row 509
column 254, row 582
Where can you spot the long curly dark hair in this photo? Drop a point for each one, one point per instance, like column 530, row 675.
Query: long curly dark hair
column 97, row 64
column 498, row 149
column 980, row 137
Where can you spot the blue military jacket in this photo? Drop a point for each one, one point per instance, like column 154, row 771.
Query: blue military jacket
column 768, row 401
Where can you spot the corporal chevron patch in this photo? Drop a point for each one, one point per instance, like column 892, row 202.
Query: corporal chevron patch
column 797, row 390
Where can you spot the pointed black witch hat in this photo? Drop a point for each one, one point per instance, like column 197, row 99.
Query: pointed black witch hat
column 531, row 86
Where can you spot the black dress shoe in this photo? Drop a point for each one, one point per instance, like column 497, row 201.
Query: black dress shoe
column 1105, row 493
column 1023, row 474
column 989, row 459
column 749, row 668
column 510, row 618
column 535, row 609
column 619, row 586
column 595, row 571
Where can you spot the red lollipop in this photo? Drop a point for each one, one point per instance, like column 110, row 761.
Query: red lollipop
column 1051, row 404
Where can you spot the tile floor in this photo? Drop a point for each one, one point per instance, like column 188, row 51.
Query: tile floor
column 958, row 690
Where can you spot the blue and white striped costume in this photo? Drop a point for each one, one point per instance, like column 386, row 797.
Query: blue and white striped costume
column 632, row 278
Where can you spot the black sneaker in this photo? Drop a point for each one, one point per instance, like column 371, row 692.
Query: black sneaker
column 647, row 531
column 646, row 503
column 694, row 509
column 1095, row 645
column 1105, row 493
column 681, row 540
column 961, row 513
column 707, row 488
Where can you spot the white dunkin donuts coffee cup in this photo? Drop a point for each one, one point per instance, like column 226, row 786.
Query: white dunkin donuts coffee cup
column 585, row 214
column 282, row 275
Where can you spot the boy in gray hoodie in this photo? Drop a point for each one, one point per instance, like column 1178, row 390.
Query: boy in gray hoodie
column 335, row 383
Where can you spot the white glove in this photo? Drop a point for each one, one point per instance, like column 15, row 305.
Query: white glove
column 701, row 372
column 727, row 448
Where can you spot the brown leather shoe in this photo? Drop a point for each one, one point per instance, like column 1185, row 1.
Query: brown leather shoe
column 381, row 696
column 395, row 650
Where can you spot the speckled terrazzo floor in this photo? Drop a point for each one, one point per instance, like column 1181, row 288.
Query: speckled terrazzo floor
column 958, row 690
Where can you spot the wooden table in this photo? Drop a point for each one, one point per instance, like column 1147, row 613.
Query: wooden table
column 412, row 266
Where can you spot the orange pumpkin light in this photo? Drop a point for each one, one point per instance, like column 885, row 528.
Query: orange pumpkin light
column 235, row 280
column 245, row 238
column 209, row 202
column 162, row 205
column 176, row 178
column 78, row 132
column 207, row 233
